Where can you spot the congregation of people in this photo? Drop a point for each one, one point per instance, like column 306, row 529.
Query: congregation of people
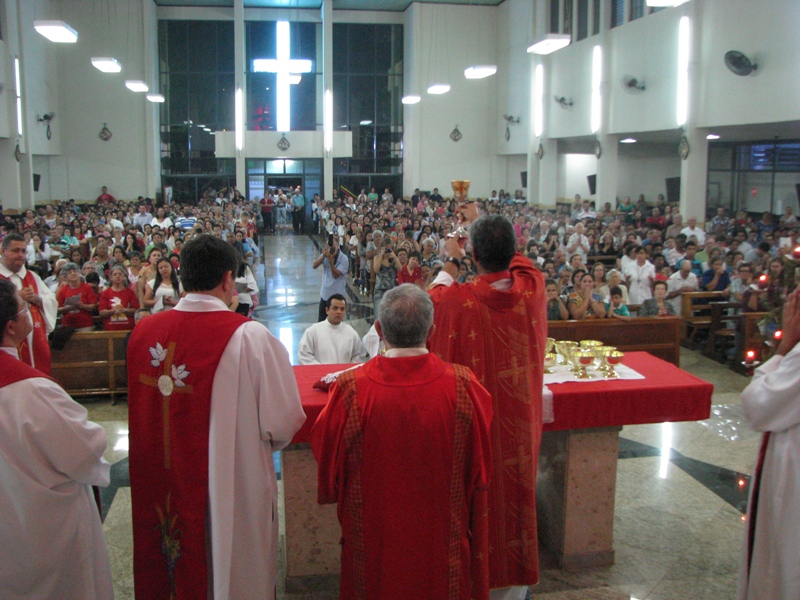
column 446, row 280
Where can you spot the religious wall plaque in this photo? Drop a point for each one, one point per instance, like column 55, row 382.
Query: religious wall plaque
column 283, row 144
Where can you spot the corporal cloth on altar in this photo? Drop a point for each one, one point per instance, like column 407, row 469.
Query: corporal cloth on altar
column 255, row 409
column 51, row 538
column 403, row 448
column 500, row 335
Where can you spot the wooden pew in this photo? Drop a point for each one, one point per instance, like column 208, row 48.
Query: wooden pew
column 660, row 336
column 750, row 338
column 720, row 335
column 696, row 313
column 92, row 364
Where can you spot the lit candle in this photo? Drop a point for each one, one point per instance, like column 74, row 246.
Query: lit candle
column 763, row 282
column 796, row 253
column 778, row 334
column 750, row 357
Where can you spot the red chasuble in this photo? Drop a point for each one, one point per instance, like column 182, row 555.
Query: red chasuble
column 172, row 359
column 501, row 335
column 402, row 446
column 13, row 370
column 39, row 355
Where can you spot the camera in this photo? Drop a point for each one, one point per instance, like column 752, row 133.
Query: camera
column 388, row 250
column 330, row 240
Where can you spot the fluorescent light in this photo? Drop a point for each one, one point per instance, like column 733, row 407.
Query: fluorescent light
column 665, row 3
column 367, row 122
column 411, row 99
column 155, row 97
column 597, row 76
column 18, row 84
column 201, row 126
column 550, row 43
column 538, row 100
column 106, row 64
column 207, row 129
column 684, row 42
column 56, row 31
column 295, row 79
column 712, row 136
column 136, row 85
column 327, row 121
column 239, row 126
column 480, row 71
column 627, row 141
column 439, row 88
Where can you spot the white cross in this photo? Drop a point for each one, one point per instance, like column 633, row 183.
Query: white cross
column 287, row 70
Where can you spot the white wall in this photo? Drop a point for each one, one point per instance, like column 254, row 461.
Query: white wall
column 304, row 144
column 644, row 173
column 513, row 78
column 572, row 172
column 441, row 41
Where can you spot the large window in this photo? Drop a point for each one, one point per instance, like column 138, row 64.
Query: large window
column 755, row 177
column 264, row 94
column 367, row 91
column 196, row 77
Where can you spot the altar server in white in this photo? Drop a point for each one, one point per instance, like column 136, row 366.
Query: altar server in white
column 51, row 538
column 331, row 342
column 770, row 567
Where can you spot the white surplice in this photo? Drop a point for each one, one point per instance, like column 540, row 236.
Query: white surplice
column 328, row 344
column 255, row 410
column 772, row 403
column 49, row 302
column 51, row 538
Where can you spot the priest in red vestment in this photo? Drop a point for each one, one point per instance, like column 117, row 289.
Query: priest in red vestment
column 211, row 395
column 403, row 448
column 35, row 349
column 497, row 326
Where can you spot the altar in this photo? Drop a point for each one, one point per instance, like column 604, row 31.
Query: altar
column 576, row 483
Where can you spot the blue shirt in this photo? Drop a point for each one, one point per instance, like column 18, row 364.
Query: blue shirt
column 298, row 200
column 331, row 285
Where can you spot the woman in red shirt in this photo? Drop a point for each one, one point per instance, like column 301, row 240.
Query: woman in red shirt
column 76, row 300
column 118, row 303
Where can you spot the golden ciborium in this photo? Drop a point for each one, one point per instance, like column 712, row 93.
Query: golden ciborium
column 612, row 359
column 584, row 359
column 550, row 360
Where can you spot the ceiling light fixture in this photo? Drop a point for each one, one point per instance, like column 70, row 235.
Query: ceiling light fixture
column 550, row 43
column 106, row 64
column 627, row 141
column 365, row 122
column 56, row 31
column 439, row 88
column 664, row 3
column 136, row 85
column 156, row 98
column 411, row 99
column 712, row 136
column 480, row 71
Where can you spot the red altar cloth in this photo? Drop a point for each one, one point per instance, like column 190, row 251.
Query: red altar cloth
column 665, row 394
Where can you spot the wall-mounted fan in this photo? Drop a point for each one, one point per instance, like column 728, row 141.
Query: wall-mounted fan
column 562, row 101
column 739, row 64
column 632, row 85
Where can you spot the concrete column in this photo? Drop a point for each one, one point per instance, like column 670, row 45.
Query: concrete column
column 240, row 82
column 543, row 174
column 607, row 168
column 412, row 84
column 152, row 116
column 327, row 84
column 10, row 196
column 694, row 176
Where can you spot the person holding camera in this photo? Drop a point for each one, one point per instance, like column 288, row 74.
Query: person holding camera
column 385, row 265
column 334, row 273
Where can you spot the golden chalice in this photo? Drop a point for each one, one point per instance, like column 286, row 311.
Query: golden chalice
column 564, row 348
column 599, row 353
column 584, row 359
column 550, row 359
column 460, row 189
column 548, row 346
column 589, row 344
column 612, row 359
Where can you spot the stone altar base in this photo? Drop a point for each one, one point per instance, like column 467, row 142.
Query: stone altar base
column 575, row 504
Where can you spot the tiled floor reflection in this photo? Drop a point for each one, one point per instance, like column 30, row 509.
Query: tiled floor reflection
column 678, row 528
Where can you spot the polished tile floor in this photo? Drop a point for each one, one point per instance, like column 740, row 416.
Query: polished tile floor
column 681, row 487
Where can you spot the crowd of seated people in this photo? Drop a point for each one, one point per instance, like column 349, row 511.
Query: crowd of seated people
column 113, row 262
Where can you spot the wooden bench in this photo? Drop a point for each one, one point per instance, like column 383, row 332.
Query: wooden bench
column 660, row 336
column 696, row 313
column 750, row 338
column 92, row 364
column 722, row 330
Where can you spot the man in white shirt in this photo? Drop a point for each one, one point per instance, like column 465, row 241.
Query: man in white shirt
column 51, row 539
column 694, row 230
column 679, row 283
column 578, row 244
column 331, row 341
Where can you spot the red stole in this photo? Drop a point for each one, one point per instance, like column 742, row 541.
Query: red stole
column 501, row 335
column 172, row 359
column 40, row 356
column 13, row 370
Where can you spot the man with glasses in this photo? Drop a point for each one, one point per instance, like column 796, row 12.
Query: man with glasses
column 34, row 350
column 51, row 540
